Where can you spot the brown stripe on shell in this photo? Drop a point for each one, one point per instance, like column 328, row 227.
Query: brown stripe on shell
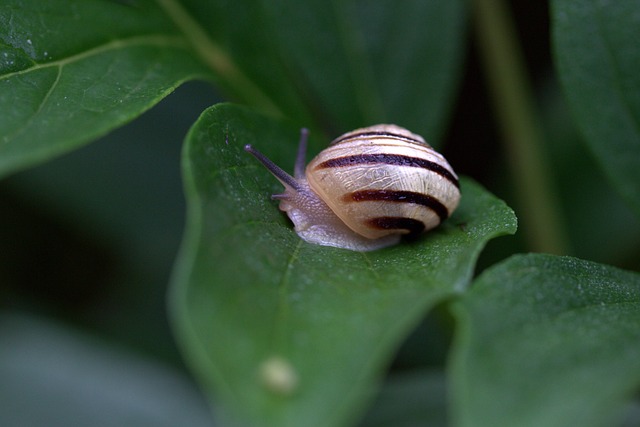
column 389, row 159
column 379, row 134
column 397, row 196
column 414, row 226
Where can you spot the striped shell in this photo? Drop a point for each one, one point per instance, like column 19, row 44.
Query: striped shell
column 369, row 187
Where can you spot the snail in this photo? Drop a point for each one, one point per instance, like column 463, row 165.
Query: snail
column 367, row 189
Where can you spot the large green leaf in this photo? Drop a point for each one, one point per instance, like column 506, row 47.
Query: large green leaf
column 547, row 341
column 70, row 71
column 344, row 64
column 597, row 55
column 281, row 332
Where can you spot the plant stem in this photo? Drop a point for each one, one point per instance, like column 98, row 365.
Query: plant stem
column 216, row 58
column 513, row 103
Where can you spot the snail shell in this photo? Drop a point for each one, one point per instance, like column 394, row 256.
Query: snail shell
column 367, row 189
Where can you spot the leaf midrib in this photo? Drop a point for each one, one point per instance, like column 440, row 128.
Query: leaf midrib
column 153, row 39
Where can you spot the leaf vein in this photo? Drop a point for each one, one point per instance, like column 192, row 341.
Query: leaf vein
column 158, row 40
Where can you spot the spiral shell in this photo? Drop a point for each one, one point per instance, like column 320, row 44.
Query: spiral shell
column 369, row 187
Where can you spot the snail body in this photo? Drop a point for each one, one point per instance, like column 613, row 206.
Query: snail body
column 367, row 189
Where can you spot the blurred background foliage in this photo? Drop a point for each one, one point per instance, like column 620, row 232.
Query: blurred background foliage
column 103, row 263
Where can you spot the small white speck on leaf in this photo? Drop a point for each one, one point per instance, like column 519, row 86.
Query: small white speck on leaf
column 29, row 41
column 278, row 376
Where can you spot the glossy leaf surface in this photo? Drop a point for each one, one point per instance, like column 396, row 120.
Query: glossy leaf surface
column 80, row 70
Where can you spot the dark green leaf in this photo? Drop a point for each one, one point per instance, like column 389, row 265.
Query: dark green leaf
column 251, row 301
column 580, row 182
column 71, row 71
column 346, row 64
column 547, row 341
column 598, row 60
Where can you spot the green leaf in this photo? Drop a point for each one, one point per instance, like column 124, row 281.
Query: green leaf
column 344, row 64
column 281, row 332
column 547, row 341
column 598, row 59
column 71, row 71
column 55, row 377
